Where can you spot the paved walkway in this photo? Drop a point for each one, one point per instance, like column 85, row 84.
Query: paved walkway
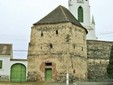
column 95, row 83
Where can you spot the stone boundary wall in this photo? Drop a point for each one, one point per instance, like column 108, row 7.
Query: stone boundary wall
column 98, row 53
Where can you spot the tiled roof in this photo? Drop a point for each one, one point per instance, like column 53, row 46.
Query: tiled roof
column 18, row 59
column 5, row 49
column 59, row 15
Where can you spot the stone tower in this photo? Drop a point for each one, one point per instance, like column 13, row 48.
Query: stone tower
column 58, row 44
column 81, row 10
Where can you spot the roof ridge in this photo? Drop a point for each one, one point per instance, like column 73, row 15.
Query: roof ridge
column 59, row 15
column 64, row 13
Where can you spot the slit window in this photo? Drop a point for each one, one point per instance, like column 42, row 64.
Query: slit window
column 41, row 33
column 0, row 64
column 50, row 45
column 57, row 32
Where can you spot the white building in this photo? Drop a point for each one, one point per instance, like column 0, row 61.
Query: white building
column 81, row 10
column 11, row 69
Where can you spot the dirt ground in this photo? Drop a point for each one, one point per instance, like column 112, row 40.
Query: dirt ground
column 48, row 83
column 26, row 83
column 31, row 83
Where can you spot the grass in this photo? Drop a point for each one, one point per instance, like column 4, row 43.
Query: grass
column 48, row 83
column 30, row 83
column 25, row 83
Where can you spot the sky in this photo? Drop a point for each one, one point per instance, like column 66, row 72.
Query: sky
column 17, row 17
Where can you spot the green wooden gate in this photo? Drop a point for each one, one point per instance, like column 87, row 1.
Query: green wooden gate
column 48, row 74
column 18, row 73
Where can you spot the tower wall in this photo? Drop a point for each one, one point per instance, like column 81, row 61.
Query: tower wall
column 63, row 45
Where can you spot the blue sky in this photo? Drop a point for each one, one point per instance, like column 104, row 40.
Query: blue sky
column 17, row 17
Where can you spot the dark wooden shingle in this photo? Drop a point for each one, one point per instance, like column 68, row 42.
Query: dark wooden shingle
column 59, row 15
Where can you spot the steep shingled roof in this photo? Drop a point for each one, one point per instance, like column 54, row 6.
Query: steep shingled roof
column 5, row 49
column 59, row 15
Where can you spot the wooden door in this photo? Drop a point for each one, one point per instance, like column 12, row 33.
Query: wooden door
column 18, row 73
column 48, row 74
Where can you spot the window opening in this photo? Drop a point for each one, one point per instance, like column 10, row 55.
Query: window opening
column 51, row 46
column 80, row 14
column 48, row 64
column 41, row 33
column 57, row 32
column 0, row 64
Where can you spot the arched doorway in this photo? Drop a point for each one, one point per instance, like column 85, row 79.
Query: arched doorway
column 18, row 73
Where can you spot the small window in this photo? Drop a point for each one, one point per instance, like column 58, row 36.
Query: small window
column 41, row 33
column 0, row 64
column 51, row 46
column 57, row 32
column 48, row 64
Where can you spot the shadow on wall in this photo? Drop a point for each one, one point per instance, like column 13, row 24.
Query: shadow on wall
column 110, row 65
